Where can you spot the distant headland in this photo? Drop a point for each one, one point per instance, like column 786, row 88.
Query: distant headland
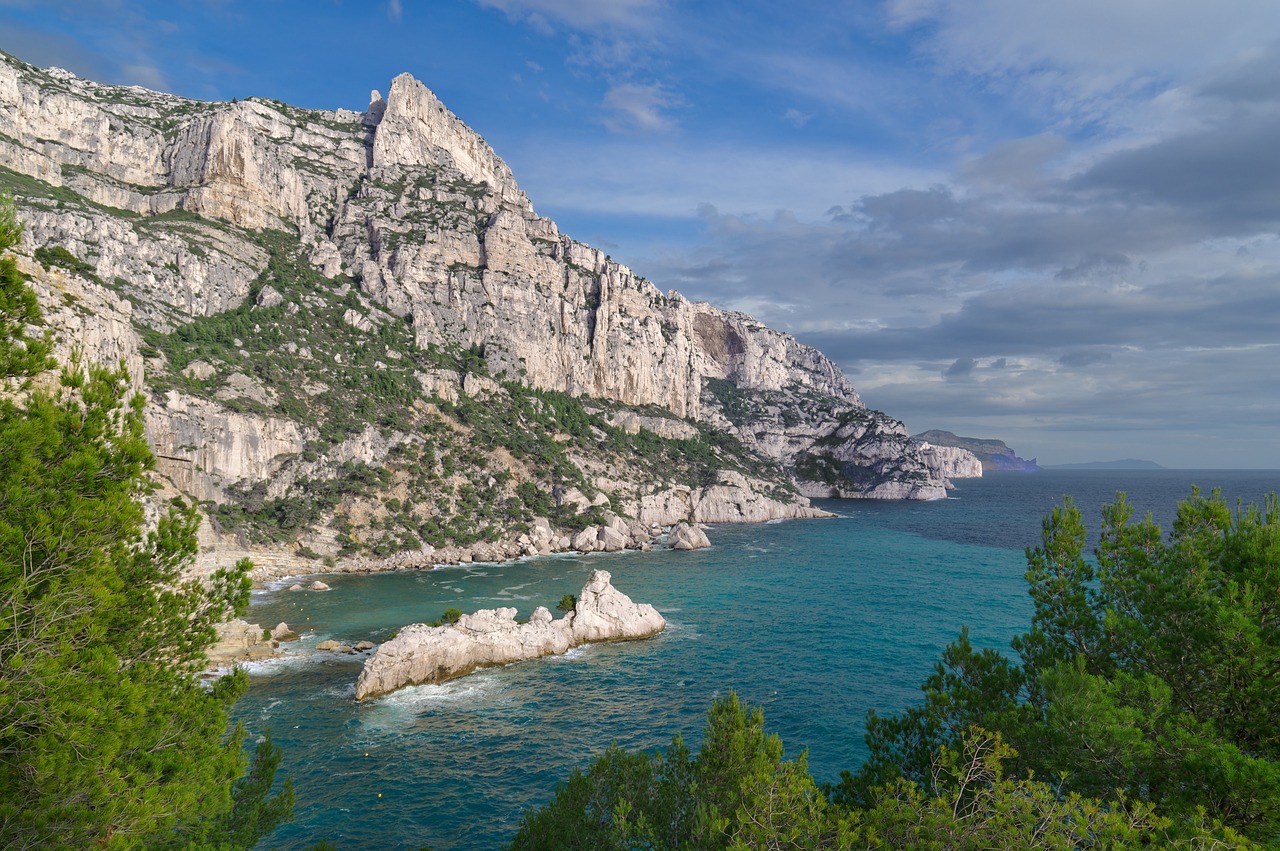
column 1122, row 464
column 995, row 455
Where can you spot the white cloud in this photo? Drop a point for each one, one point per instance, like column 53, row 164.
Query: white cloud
column 395, row 11
column 664, row 176
column 639, row 108
column 582, row 15
column 796, row 117
column 1085, row 60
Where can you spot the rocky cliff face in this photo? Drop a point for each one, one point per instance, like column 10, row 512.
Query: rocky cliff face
column 305, row 294
column 993, row 455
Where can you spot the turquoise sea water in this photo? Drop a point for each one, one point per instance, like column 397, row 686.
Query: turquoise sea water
column 815, row 621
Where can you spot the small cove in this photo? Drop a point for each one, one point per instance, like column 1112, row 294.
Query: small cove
column 815, row 621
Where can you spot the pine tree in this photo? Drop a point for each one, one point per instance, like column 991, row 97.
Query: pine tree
column 107, row 737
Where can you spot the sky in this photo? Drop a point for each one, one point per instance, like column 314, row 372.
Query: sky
column 1056, row 224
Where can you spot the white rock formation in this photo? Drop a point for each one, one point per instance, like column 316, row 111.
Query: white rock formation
column 422, row 654
column 239, row 641
column 686, row 537
column 951, row 462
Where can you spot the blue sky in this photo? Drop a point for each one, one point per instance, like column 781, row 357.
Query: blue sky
column 1051, row 223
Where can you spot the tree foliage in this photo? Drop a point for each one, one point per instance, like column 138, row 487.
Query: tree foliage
column 23, row 352
column 1141, row 709
column 1149, row 672
column 740, row 793
column 107, row 738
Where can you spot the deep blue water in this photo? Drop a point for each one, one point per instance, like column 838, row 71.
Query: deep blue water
column 815, row 621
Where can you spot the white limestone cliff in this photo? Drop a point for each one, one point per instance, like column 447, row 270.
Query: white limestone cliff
column 951, row 462
column 414, row 218
column 421, row 654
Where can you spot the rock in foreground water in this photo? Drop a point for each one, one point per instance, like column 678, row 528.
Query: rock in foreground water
column 424, row 654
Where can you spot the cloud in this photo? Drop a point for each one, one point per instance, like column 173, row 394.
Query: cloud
column 395, row 11
column 796, row 118
column 1108, row 287
column 638, row 108
column 1084, row 358
column 581, row 15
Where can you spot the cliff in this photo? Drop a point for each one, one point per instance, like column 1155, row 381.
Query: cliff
column 954, row 462
column 993, row 454
column 421, row 654
column 358, row 337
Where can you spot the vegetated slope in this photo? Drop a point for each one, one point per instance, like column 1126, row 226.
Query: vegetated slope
column 358, row 337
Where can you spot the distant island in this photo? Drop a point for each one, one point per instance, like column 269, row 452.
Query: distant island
column 994, row 454
column 1122, row 464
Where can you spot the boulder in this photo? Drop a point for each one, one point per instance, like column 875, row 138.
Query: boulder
column 586, row 540
column 423, row 654
column 318, row 586
column 611, row 540
column 334, row 646
column 239, row 641
column 686, row 537
column 283, row 633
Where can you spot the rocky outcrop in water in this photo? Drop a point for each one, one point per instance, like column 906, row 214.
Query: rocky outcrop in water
column 422, row 654
column 686, row 537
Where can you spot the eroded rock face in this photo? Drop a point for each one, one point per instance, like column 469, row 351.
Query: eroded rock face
column 951, row 462
column 422, row 654
column 417, row 205
column 417, row 222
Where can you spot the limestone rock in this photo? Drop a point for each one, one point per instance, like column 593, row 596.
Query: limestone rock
column 239, row 641
column 611, row 540
column 686, row 537
column 951, row 462
column 318, row 586
column 418, row 207
column 332, row 646
column 282, row 632
column 422, row 654
column 199, row 370
column 586, row 540
column 268, row 296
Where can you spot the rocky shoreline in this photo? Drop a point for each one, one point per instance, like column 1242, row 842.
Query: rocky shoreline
column 614, row 535
column 240, row 641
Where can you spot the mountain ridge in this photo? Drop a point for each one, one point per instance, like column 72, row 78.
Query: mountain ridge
column 301, row 291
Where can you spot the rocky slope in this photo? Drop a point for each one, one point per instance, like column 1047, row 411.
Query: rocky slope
column 421, row 654
column 358, row 338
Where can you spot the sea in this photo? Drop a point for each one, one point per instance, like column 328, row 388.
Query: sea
column 814, row 621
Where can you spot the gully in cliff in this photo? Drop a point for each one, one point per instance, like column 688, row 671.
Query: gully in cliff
column 422, row 654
